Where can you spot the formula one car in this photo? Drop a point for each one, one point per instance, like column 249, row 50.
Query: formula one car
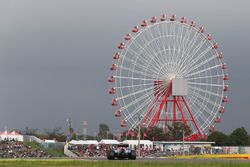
column 121, row 151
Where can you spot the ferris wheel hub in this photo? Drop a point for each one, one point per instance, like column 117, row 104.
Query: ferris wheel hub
column 168, row 79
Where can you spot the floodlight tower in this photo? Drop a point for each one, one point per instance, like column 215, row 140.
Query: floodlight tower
column 70, row 129
column 85, row 130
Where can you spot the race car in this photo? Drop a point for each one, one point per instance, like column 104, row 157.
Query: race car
column 121, row 151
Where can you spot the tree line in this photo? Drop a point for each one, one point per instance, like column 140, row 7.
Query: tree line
column 238, row 137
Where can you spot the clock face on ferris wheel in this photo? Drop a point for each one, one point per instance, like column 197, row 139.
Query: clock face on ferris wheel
column 166, row 71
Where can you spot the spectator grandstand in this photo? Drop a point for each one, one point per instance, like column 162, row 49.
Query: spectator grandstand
column 17, row 149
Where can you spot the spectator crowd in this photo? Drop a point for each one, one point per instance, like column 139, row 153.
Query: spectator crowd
column 17, row 149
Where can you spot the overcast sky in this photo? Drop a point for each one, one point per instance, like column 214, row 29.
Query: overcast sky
column 55, row 56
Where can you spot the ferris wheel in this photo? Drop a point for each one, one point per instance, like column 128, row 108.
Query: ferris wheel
column 168, row 70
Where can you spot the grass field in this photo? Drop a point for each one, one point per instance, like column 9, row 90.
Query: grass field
column 215, row 156
column 116, row 163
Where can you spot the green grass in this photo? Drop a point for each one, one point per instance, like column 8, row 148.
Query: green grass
column 33, row 145
column 116, row 163
column 55, row 153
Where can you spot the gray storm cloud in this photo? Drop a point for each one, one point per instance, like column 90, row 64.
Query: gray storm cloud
column 55, row 56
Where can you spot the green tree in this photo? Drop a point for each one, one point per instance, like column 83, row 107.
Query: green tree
column 219, row 138
column 177, row 129
column 30, row 131
column 54, row 133
column 239, row 137
column 156, row 134
column 103, row 131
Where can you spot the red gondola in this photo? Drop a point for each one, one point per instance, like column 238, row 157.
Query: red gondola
column 226, row 77
column 222, row 110
column 217, row 119
column 113, row 67
column 226, row 88
column 173, row 17
column 121, row 46
column 116, row 56
column 124, row 123
column 153, row 19
column 163, row 17
column 224, row 66
column 215, row 45
column 118, row 113
column 183, row 20
column 225, row 99
column 220, row 55
column 111, row 79
column 209, row 37
column 135, row 29
column 127, row 36
column 201, row 29
column 112, row 91
column 114, row 102
column 193, row 24
column 212, row 129
column 144, row 23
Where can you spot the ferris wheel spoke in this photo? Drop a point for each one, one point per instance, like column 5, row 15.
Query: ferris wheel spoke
column 134, row 93
column 207, row 92
column 182, row 63
column 204, row 84
column 133, row 78
column 178, row 44
column 206, row 109
column 200, row 103
column 202, row 116
column 204, row 70
column 182, row 47
column 144, row 105
column 142, row 67
column 149, row 52
column 134, row 86
column 140, row 99
column 199, row 116
column 195, row 60
column 145, row 51
column 200, row 64
column 138, row 72
column 156, row 45
column 138, row 92
column 133, row 102
column 186, row 39
column 191, row 44
column 205, row 77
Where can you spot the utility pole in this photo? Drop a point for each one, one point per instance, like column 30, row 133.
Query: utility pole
column 69, row 121
column 183, row 151
column 85, row 128
column 139, row 135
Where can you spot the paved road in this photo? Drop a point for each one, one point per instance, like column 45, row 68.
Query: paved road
column 149, row 159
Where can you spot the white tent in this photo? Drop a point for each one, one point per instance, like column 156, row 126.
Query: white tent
column 134, row 143
column 49, row 141
column 89, row 142
column 11, row 136
column 108, row 141
column 83, row 142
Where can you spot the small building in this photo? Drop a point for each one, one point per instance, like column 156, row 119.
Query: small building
column 146, row 144
column 11, row 136
column 177, row 145
column 83, row 142
column 109, row 142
